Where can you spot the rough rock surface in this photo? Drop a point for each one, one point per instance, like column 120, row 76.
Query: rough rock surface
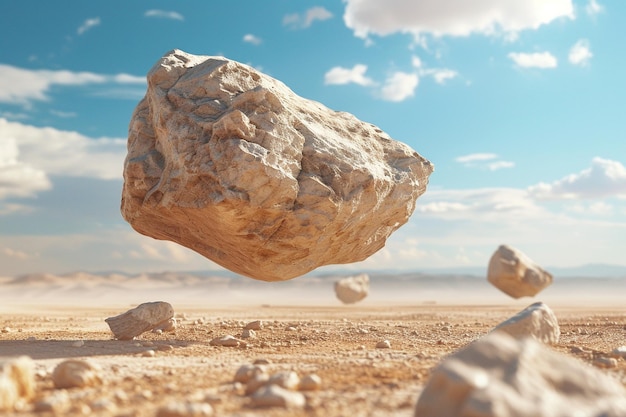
column 537, row 321
column 17, row 382
column 144, row 317
column 506, row 377
column 352, row 289
column 515, row 274
column 232, row 164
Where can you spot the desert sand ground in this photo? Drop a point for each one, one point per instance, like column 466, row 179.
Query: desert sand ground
column 336, row 342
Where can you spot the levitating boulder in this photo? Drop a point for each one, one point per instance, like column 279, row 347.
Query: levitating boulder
column 144, row 317
column 499, row 376
column 231, row 163
column 515, row 274
column 537, row 321
column 352, row 289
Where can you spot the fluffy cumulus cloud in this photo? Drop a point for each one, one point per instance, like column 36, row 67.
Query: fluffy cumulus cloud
column 251, row 39
column 605, row 178
column 534, row 60
column 341, row 75
column 87, row 25
column 580, row 54
column 306, row 19
column 399, row 86
column 451, row 17
column 164, row 14
column 22, row 86
column 18, row 178
column 30, row 155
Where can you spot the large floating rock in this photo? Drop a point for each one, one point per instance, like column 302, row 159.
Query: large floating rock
column 231, row 163
column 352, row 289
column 537, row 321
column 499, row 376
column 515, row 274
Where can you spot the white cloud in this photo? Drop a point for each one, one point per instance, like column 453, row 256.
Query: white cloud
column 605, row 178
column 63, row 114
column 164, row 14
column 298, row 21
column 340, row 75
column 22, row 86
column 580, row 53
column 88, row 24
column 476, row 157
column 250, row 38
column 593, row 8
column 494, row 166
column 451, row 17
column 30, row 154
column 533, row 60
column 399, row 86
column 443, row 75
column 18, row 178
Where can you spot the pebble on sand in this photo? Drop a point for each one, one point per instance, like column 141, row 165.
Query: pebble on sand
column 73, row 373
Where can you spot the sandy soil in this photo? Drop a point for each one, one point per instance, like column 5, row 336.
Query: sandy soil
column 338, row 343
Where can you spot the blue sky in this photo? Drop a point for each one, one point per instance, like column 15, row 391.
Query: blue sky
column 518, row 104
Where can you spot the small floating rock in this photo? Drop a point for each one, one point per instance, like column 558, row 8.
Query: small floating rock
column 76, row 373
column 276, row 396
column 352, row 289
column 144, row 317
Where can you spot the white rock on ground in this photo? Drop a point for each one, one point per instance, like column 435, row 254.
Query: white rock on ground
column 515, row 274
column 74, row 373
column 17, row 382
column 185, row 409
column 286, row 379
column 246, row 372
column 500, row 376
column 537, row 321
column 144, row 317
column 353, row 289
column 227, row 341
column 232, row 164
column 311, row 382
column 276, row 396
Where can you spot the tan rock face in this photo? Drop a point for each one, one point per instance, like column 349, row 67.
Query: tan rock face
column 505, row 377
column 232, row 164
column 515, row 274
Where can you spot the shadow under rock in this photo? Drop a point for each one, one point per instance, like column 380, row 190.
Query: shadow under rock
column 58, row 349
